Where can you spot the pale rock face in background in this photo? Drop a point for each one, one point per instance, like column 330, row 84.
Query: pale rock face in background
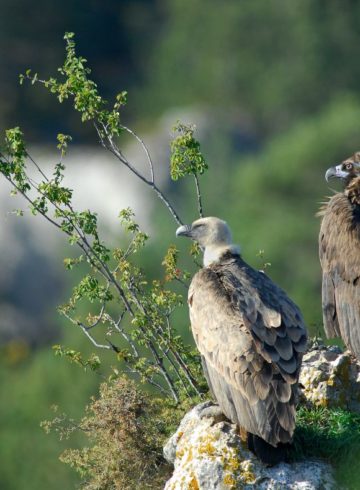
column 31, row 249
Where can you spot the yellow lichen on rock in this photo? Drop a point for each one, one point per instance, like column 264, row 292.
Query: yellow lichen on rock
column 232, row 463
column 193, row 484
column 206, row 445
column 247, row 472
column 230, row 481
column 210, row 455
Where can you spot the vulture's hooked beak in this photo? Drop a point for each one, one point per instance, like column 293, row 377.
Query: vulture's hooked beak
column 330, row 173
column 335, row 173
column 184, row 230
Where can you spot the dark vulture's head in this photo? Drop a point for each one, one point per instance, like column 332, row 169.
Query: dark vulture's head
column 346, row 170
column 212, row 234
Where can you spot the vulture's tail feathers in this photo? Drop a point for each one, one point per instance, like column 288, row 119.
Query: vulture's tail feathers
column 268, row 454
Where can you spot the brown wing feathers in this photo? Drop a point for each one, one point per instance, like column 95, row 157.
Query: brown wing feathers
column 339, row 251
column 252, row 345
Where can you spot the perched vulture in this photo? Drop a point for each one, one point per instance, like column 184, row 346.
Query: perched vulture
column 339, row 250
column 251, row 337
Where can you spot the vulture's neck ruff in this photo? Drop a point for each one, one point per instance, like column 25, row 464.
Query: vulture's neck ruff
column 215, row 254
column 352, row 191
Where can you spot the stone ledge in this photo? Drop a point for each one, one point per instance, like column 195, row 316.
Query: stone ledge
column 208, row 454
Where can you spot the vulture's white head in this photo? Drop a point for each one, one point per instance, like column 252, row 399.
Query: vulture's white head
column 213, row 235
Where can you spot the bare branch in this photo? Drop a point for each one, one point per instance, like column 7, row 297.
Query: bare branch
column 149, row 380
column 145, row 148
column 198, row 194
column 113, row 148
column 37, row 166
column 167, row 204
column 183, row 365
column 122, row 332
column 85, row 330
column 99, row 317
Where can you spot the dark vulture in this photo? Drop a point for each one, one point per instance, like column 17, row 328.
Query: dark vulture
column 339, row 250
column 251, row 337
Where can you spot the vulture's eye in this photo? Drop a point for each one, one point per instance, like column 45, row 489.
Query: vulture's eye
column 348, row 166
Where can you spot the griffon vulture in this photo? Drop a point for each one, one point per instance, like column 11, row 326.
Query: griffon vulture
column 339, row 250
column 251, row 337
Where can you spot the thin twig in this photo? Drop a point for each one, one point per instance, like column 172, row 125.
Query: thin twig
column 145, row 148
column 149, row 380
column 85, row 330
column 37, row 166
column 198, row 194
column 167, row 204
column 176, row 355
column 113, row 148
column 183, row 365
column 122, row 332
column 99, row 317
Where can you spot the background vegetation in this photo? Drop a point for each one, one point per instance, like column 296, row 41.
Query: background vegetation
column 275, row 89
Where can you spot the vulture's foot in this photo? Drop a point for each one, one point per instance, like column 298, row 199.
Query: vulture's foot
column 268, row 454
column 213, row 411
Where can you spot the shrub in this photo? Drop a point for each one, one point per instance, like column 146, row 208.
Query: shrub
column 124, row 429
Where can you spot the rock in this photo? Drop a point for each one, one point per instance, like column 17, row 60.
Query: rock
column 330, row 378
column 208, row 454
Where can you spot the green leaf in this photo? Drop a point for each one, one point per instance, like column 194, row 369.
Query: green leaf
column 186, row 157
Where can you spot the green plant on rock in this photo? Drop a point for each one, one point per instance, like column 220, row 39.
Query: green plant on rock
column 126, row 312
column 331, row 434
column 326, row 433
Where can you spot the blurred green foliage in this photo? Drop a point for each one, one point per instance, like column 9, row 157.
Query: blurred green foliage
column 111, row 35
column 270, row 199
column 274, row 62
column 274, row 197
column 30, row 386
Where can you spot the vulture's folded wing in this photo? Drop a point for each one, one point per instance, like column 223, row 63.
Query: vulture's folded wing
column 331, row 324
column 251, row 337
column 347, row 298
column 339, row 252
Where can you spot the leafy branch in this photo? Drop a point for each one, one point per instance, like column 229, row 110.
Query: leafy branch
column 142, row 335
column 186, row 158
column 86, row 100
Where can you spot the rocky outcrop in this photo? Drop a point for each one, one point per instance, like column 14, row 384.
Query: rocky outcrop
column 208, row 454
column 330, row 378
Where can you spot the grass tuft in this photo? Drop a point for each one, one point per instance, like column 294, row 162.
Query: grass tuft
column 333, row 435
